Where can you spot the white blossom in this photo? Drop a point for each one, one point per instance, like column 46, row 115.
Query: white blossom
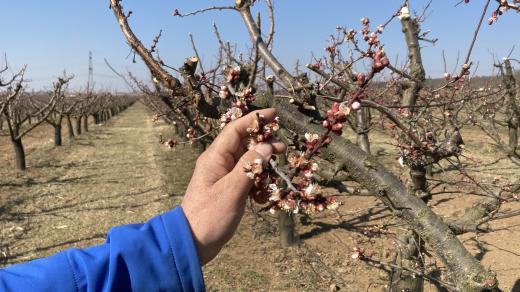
column 405, row 13
column 401, row 161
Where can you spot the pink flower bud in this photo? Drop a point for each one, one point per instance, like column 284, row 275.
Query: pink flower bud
column 360, row 78
column 328, row 140
column 385, row 62
column 326, row 124
column 336, row 128
column 335, row 107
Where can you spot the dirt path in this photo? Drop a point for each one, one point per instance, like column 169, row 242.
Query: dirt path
column 73, row 195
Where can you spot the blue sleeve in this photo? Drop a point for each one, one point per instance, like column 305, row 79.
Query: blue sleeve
column 159, row 255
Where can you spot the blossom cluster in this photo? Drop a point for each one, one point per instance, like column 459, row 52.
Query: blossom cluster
column 239, row 106
column 170, row 143
column 503, row 6
column 309, row 200
column 233, row 74
column 191, row 135
column 241, row 100
column 360, row 253
column 261, row 131
column 337, row 115
column 301, row 194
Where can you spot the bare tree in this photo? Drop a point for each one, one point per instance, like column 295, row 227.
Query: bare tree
column 19, row 107
column 62, row 108
column 503, row 111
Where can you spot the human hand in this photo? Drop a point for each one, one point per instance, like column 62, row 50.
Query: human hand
column 215, row 200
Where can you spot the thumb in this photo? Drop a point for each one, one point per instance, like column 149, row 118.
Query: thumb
column 236, row 182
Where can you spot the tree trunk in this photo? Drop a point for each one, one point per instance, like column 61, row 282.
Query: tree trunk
column 409, row 254
column 97, row 120
column 78, row 126
column 411, row 33
column 513, row 134
column 419, row 183
column 85, row 123
column 513, row 110
column 286, row 227
column 362, row 129
column 19, row 154
column 1, row 122
column 401, row 279
column 69, row 127
column 57, row 135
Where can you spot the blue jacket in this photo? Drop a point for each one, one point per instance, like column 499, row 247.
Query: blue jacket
column 159, row 255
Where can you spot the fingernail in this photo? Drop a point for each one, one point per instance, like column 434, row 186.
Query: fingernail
column 265, row 150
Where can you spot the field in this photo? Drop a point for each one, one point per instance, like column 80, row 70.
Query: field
column 118, row 173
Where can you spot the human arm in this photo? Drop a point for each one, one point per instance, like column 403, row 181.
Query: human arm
column 158, row 255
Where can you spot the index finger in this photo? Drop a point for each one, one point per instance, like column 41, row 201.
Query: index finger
column 230, row 140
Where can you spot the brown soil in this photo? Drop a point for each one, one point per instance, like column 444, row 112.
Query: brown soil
column 117, row 173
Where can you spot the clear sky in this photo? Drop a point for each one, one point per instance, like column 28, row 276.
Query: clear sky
column 55, row 35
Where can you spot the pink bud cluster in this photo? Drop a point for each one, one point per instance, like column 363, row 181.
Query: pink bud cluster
column 239, row 107
column 170, row 143
column 350, row 35
column 380, row 60
column 261, row 131
column 201, row 76
column 224, row 92
column 404, row 112
column 232, row 114
column 361, row 254
column 369, row 36
column 493, row 18
column 332, row 48
column 191, row 135
column 503, row 6
column 360, row 79
column 316, row 65
column 337, row 115
column 335, row 119
column 375, row 49
column 233, row 74
column 254, row 171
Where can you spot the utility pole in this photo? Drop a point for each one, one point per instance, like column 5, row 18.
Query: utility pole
column 90, row 81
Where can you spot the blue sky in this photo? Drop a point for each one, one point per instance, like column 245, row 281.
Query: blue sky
column 56, row 35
